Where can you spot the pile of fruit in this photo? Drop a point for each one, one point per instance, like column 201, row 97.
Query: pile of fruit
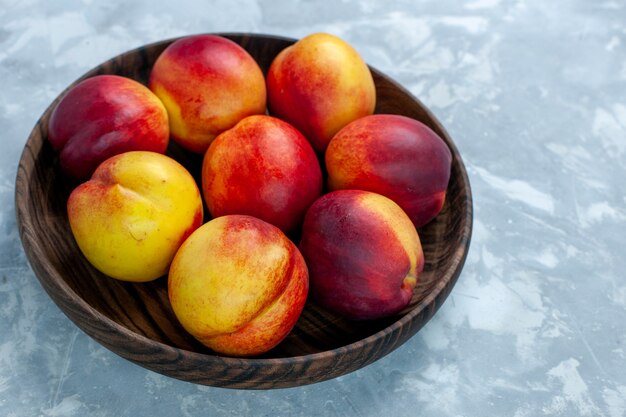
column 310, row 194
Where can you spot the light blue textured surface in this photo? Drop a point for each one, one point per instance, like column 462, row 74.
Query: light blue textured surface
column 533, row 94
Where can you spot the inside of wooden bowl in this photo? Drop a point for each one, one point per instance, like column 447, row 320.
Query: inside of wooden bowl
column 131, row 318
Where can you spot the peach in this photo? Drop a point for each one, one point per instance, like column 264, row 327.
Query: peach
column 131, row 217
column 396, row 156
column 263, row 167
column 104, row 116
column 363, row 253
column 320, row 84
column 207, row 83
column 238, row 285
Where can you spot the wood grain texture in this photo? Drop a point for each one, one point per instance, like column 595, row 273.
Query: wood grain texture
column 136, row 320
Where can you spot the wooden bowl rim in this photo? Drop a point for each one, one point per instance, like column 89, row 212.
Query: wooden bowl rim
column 53, row 280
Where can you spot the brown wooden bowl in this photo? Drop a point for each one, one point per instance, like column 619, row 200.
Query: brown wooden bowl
column 136, row 320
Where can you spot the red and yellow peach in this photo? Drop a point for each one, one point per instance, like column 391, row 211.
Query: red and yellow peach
column 131, row 217
column 103, row 116
column 364, row 254
column 262, row 167
column 207, row 84
column 238, row 285
column 320, row 84
column 396, row 156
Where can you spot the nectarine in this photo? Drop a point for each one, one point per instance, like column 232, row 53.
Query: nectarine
column 320, row 84
column 104, row 116
column 207, row 83
column 238, row 285
column 396, row 156
column 363, row 253
column 262, row 167
column 131, row 217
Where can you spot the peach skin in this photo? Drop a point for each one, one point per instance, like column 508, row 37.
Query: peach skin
column 104, row 116
column 207, row 83
column 363, row 253
column 320, row 84
column 238, row 285
column 131, row 217
column 262, row 167
column 396, row 156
